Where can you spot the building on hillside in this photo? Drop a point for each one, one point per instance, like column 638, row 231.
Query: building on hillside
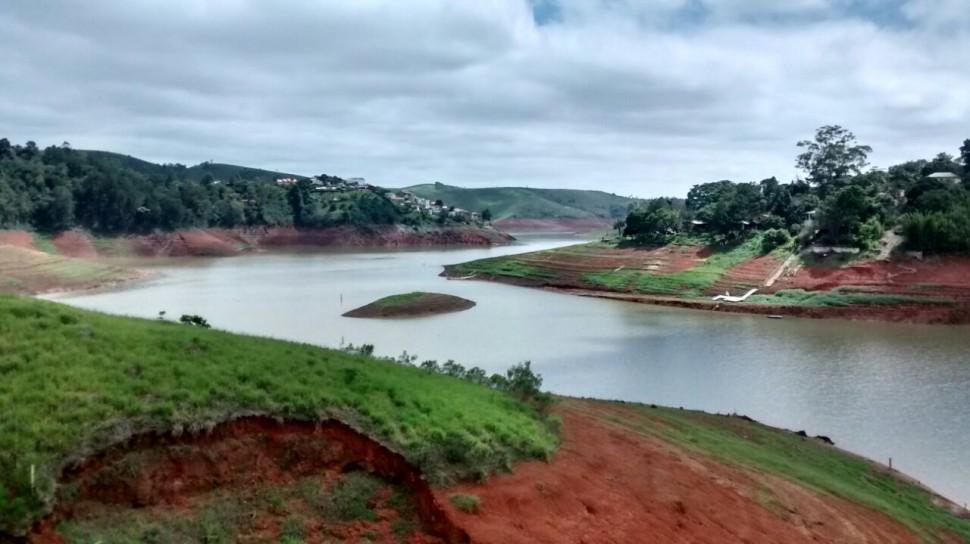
column 286, row 181
column 945, row 176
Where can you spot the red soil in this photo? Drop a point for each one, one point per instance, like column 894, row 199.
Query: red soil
column 936, row 276
column 588, row 224
column 222, row 242
column 74, row 243
column 152, row 470
column 19, row 238
column 571, row 263
column 607, row 484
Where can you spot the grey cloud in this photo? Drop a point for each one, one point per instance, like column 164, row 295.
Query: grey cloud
column 615, row 94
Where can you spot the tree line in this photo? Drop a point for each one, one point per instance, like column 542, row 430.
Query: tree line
column 60, row 188
column 839, row 202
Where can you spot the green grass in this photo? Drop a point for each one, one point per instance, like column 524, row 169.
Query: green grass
column 505, row 266
column 465, row 502
column 688, row 283
column 70, row 380
column 24, row 271
column 508, row 202
column 804, row 461
column 45, row 243
column 841, row 296
column 239, row 514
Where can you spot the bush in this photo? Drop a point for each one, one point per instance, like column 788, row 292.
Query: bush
column 870, row 233
column 195, row 321
column 351, row 498
column 938, row 232
column 774, row 238
column 465, row 502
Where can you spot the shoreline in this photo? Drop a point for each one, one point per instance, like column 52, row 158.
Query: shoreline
column 912, row 313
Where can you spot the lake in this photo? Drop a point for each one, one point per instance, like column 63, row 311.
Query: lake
column 882, row 390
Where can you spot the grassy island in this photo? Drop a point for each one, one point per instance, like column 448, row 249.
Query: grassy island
column 412, row 305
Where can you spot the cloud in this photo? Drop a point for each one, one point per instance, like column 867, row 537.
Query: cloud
column 634, row 97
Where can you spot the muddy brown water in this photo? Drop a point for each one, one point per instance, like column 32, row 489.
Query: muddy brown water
column 882, row 390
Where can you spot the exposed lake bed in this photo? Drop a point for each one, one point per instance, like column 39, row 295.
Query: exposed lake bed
column 882, row 390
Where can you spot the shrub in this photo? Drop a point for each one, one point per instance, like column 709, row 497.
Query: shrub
column 351, row 498
column 870, row 233
column 774, row 238
column 195, row 321
column 465, row 502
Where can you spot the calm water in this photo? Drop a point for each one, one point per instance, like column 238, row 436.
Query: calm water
column 882, row 390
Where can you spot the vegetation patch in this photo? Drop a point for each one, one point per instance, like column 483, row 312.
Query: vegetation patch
column 688, row 283
column 842, row 296
column 73, row 381
column 465, row 502
column 29, row 271
column 505, row 266
column 290, row 512
column 803, row 460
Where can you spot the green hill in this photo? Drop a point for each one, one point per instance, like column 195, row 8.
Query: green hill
column 525, row 202
column 70, row 378
column 217, row 170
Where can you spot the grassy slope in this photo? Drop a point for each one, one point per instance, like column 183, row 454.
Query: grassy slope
column 805, row 461
column 505, row 202
column 67, row 375
column 29, row 271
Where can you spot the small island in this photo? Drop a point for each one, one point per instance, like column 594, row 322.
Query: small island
column 412, row 305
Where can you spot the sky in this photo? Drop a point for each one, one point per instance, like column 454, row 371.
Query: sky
column 642, row 98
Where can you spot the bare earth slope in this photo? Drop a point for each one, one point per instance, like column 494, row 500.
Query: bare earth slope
column 615, row 479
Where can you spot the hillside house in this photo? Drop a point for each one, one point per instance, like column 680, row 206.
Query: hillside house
column 945, row 176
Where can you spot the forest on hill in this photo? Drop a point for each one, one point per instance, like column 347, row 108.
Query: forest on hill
column 839, row 203
column 59, row 188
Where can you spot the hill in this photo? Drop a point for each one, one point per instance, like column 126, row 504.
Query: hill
column 58, row 189
column 530, row 203
column 197, row 173
column 75, row 382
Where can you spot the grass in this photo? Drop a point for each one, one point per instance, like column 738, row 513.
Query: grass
column 841, row 296
column 45, row 243
column 687, row 283
column 25, row 271
column 235, row 515
column 72, row 380
column 465, row 502
column 351, row 498
column 804, row 461
column 505, row 266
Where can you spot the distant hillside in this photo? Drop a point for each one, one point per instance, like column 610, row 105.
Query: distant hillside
column 198, row 172
column 528, row 203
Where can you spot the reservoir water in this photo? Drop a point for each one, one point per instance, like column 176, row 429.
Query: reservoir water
column 881, row 390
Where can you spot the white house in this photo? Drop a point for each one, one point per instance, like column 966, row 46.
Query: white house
column 945, row 176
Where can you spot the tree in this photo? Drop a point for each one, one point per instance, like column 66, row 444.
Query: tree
column 943, row 162
column 965, row 158
column 832, row 157
column 844, row 212
column 486, row 215
column 653, row 222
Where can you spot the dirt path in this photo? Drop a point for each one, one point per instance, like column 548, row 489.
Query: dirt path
column 607, row 484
